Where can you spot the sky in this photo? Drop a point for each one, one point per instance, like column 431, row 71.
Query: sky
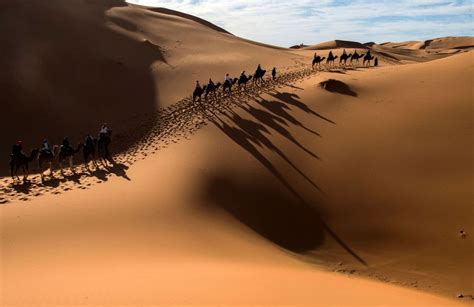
column 290, row 22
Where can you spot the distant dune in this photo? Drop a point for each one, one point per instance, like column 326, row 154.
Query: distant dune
column 441, row 43
column 335, row 44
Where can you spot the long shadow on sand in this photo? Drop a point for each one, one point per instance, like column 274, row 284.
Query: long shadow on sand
column 286, row 220
column 27, row 187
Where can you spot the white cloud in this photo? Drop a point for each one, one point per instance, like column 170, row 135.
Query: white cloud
column 284, row 23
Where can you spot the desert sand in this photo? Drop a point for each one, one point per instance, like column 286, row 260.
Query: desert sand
column 333, row 187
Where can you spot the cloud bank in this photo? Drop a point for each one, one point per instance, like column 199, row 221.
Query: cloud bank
column 286, row 23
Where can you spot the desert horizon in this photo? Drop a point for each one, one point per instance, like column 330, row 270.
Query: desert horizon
column 153, row 157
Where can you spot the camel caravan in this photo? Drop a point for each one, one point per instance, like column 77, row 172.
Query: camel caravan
column 225, row 88
column 241, row 83
column 92, row 149
column 353, row 58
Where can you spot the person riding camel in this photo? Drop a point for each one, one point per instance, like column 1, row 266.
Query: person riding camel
column 104, row 131
column 242, row 75
column 66, row 146
column 211, row 83
column 344, row 52
column 227, row 78
column 104, row 137
column 46, row 148
column 17, row 150
column 89, row 141
column 259, row 70
column 198, row 85
column 368, row 54
column 274, row 72
column 330, row 55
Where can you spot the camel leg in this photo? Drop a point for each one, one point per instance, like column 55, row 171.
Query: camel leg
column 51, row 169
column 71, row 166
column 16, row 172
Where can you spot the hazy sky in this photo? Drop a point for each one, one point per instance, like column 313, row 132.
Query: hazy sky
column 290, row 22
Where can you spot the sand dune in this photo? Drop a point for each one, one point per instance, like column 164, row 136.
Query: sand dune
column 117, row 68
column 335, row 44
column 337, row 187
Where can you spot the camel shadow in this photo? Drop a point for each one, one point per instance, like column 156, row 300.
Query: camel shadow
column 261, row 207
column 279, row 124
column 275, row 215
column 23, row 187
column 248, row 132
column 119, row 169
column 74, row 177
column 293, row 100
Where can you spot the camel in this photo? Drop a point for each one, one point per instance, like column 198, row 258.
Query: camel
column 198, row 93
column 228, row 85
column 258, row 76
column 243, row 80
column 317, row 60
column 47, row 158
column 344, row 57
column 331, row 58
column 21, row 161
column 103, row 146
column 356, row 57
column 367, row 58
column 68, row 153
column 89, row 151
column 211, row 89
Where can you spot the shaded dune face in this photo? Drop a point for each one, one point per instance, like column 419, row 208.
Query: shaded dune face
column 64, row 72
column 272, row 213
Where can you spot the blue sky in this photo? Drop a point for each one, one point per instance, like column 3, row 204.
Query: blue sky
column 290, row 22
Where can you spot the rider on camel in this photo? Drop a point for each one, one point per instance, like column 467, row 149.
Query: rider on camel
column 211, row 83
column 104, row 136
column 17, row 150
column 274, row 72
column 89, row 141
column 66, row 146
column 46, row 148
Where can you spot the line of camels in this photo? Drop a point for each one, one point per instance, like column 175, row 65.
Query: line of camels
column 257, row 77
column 330, row 60
column 241, row 83
column 95, row 150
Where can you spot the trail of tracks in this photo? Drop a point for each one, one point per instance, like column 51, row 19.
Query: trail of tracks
column 167, row 126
